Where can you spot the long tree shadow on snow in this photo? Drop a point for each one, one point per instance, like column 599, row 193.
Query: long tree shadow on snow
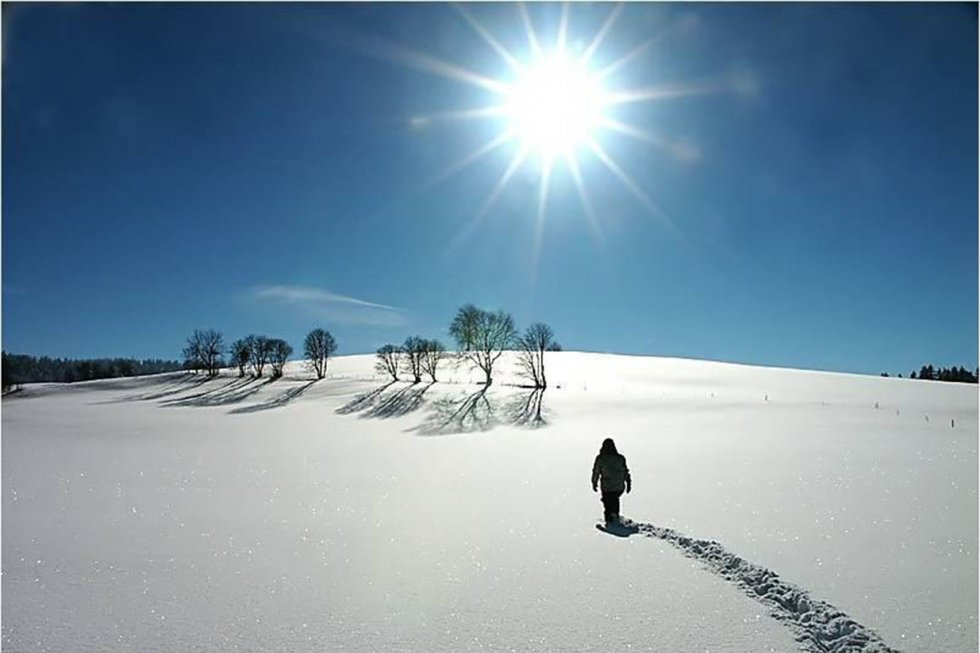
column 525, row 409
column 276, row 402
column 232, row 392
column 818, row 627
column 399, row 403
column 378, row 403
column 364, row 401
column 447, row 415
column 478, row 411
column 481, row 412
column 177, row 384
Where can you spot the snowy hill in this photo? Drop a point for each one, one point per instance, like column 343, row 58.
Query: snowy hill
column 778, row 510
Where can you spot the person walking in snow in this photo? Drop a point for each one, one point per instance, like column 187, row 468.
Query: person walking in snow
column 610, row 469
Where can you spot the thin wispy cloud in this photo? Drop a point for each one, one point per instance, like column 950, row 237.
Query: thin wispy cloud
column 328, row 305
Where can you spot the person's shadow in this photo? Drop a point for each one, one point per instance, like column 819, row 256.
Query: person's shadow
column 619, row 529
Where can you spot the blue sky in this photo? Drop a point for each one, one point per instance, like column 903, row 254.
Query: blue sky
column 263, row 168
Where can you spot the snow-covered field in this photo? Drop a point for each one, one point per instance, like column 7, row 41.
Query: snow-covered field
column 778, row 510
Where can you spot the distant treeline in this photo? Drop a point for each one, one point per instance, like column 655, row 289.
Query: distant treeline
column 930, row 373
column 21, row 368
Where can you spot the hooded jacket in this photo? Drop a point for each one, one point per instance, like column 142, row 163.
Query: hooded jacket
column 612, row 470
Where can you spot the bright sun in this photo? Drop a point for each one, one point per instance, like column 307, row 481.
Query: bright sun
column 558, row 111
column 555, row 106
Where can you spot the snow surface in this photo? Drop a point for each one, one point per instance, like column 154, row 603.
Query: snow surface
column 777, row 510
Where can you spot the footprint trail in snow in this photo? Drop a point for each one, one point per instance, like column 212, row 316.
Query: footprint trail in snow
column 819, row 626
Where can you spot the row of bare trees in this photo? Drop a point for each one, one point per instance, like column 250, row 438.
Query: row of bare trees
column 204, row 351
column 417, row 356
column 252, row 354
column 255, row 352
column 481, row 337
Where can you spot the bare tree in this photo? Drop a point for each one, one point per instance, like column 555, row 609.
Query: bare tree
column 432, row 355
column 279, row 352
column 214, row 349
column 465, row 326
column 259, row 352
column 482, row 336
column 204, row 350
column 318, row 347
column 388, row 360
column 413, row 352
column 192, row 356
column 240, row 355
column 532, row 345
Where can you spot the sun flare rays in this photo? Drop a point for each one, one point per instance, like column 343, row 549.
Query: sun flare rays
column 555, row 109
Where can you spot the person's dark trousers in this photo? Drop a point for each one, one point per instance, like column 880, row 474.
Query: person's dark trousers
column 610, row 504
